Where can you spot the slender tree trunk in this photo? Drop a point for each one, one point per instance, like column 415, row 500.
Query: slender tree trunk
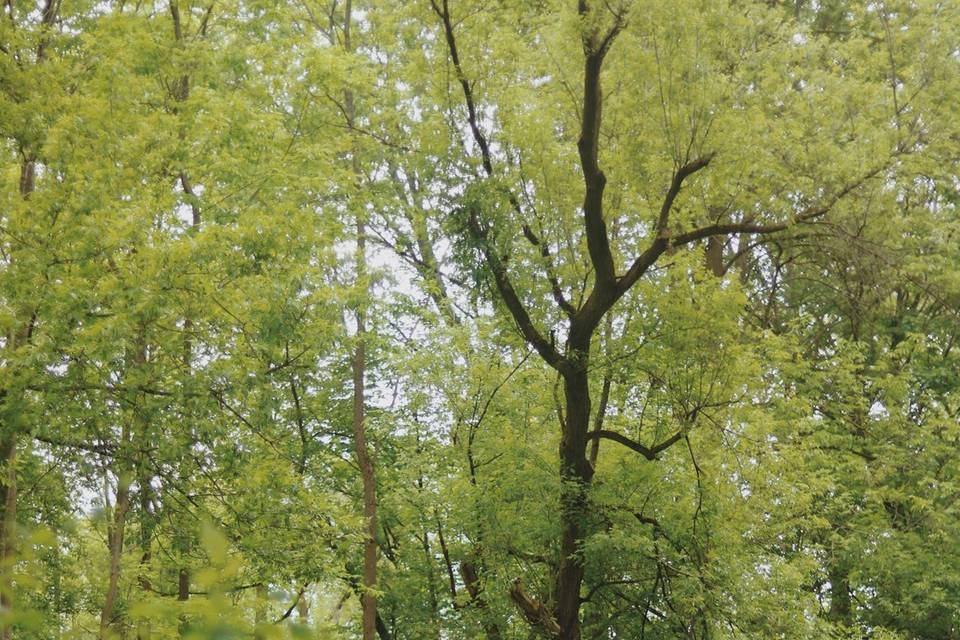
column 115, row 531
column 146, row 550
column 368, row 478
column 303, row 609
column 182, row 542
column 8, row 502
column 713, row 256
column 17, row 339
column 364, row 460
column 260, row 611
column 841, row 605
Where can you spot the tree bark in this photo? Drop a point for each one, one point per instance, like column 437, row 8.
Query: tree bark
column 364, row 460
column 115, row 530
column 576, row 474
column 303, row 608
column 146, row 550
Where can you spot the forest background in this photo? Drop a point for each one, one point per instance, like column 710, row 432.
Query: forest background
column 460, row 319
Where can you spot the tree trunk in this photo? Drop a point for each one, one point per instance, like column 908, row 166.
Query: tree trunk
column 303, row 609
column 575, row 474
column 115, row 543
column 368, row 600
column 841, row 605
column 713, row 257
column 146, row 551
column 182, row 544
column 8, row 447
column 260, row 608
column 8, row 522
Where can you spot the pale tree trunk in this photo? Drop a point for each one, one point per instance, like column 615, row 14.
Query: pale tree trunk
column 303, row 608
column 260, row 608
column 115, row 530
column 364, row 460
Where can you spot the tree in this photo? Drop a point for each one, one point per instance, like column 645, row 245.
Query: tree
column 458, row 320
column 705, row 83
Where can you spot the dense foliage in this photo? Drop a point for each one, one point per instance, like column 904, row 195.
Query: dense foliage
column 459, row 319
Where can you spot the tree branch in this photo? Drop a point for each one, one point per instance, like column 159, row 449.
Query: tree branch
column 662, row 239
column 810, row 214
column 555, row 287
column 510, row 298
column 534, row 612
column 502, row 280
column 650, row 453
column 443, row 12
column 598, row 242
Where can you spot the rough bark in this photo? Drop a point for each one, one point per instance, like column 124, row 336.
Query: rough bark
column 576, row 474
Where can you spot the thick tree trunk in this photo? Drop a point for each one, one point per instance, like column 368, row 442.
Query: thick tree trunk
column 576, row 475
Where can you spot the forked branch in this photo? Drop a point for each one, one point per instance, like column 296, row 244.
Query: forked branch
column 477, row 230
column 650, row 453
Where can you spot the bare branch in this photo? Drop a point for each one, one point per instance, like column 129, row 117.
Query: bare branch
column 479, row 233
column 808, row 215
column 650, row 453
column 555, row 287
column 662, row 240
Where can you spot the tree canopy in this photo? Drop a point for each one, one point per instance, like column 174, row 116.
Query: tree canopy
column 450, row 319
